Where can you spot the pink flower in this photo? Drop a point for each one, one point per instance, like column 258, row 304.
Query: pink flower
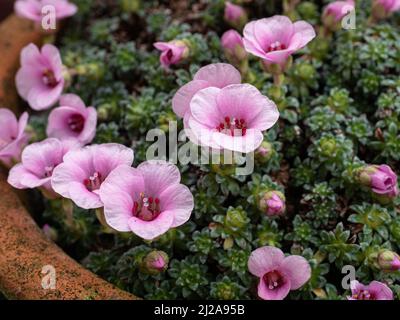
column 278, row 274
column 335, row 12
column 231, row 118
column 217, row 75
column 273, row 203
column 275, row 39
column 39, row 80
column 232, row 43
column 12, row 135
column 234, row 15
column 83, row 171
column 374, row 291
column 32, row 9
column 172, row 52
column 72, row 120
column 147, row 200
column 338, row 9
column 389, row 6
column 37, row 165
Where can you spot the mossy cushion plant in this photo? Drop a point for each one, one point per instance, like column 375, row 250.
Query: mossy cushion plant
column 308, row 91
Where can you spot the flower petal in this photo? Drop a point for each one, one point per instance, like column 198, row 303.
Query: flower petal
column 297, row 269
column 265, row 259
column 219, row 75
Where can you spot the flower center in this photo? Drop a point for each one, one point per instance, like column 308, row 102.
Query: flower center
column 48, row 78
column 76, row 123
column 146, row 208
column 48, row 171
column 170, row 54
column 233, row 127
column 276, row 46
column 273, row 280
column 93, row 182
column 364, row 295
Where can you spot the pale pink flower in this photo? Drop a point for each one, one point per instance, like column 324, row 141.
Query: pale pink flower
column 32, row 9
column 338, row 9
column 172, row 52
column 12, row 136
column 232, row 43
column 231, row 118
column 275, row 39
column 374, row 291
column 39, row 80
column 83, row 171
column 147, row 200
column 37, row 165
column 389, row 5
column 234, row 15
column 72, row 120
column 217, row 75
column 278, row 274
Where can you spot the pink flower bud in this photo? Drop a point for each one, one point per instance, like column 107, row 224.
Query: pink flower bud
column 155, row 262
column 232, row 44
column 264, row 152
column 383, row 8
column 388, row 260
column 235, row 15
column 273, row 203
column 172, row 52
column 381, row 179
column 335, row 12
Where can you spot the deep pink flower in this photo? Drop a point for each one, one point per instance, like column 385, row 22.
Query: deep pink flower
column 39, row 80
column 217, row 75
column 275, row 39
column 338, row 9
column 234, row 15
column 374, row 291
column 231, row 118
column 12, row 136
column 172, row 52
column 232, row 43
column 83, row 171
column 72, row 120
column 32, row 9
column 278, row 274
column 147, row 200
column 389, row 5
column 37, row 165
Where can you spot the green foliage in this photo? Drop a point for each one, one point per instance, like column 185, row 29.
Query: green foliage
column 339, row 110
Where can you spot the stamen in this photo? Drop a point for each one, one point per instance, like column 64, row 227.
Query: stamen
column 48, row 171
column 76, row 123
column 48, row 78
column 93, row 182
column 146, row 208
column 232, row 126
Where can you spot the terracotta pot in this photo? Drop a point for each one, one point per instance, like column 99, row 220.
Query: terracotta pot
column 24, row 249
